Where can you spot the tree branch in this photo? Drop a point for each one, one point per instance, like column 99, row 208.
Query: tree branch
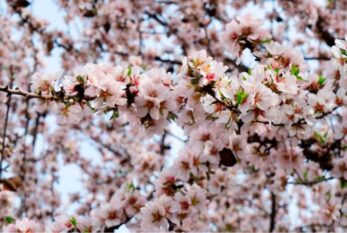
column 2, row 155
column 323, row 33
column 30, row 95
column 27, row 94
column 273, row 212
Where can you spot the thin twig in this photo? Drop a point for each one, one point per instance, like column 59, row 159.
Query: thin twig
column 310, row 183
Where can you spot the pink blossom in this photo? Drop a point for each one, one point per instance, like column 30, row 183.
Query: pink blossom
column 155, row 215
column 242, row 30
column 43, row 83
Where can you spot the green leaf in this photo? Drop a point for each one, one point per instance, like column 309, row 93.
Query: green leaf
column 241, row 96
column 343, row 51
column 81, row 79
column 294, row 70
column 222, row 97
column 266, row 41
column 321, row 80
column 277, row 70
column 115, row 114
column 171, row 116
column 131, row 187
column 320, row 138
column 9, row 220
column 73, row 221
column 298, row 77
column 130, row 70
column 194, row 81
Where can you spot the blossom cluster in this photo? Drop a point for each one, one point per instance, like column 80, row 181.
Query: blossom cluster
column 107, row 89
column 340, row 54
column 244, row 32
column 277, row 92
column 261, row 107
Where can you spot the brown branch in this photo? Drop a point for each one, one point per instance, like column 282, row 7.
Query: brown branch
column 173, row 62
column 301, row 120
column 327, row 113
column 273, row 212
column 163, row 146
column 2, row 155
column 323, row 33
column 140, row 37
column 240, row 67
column 30, row 95
column 112, row 229
column 17, row 91
column 318, row 58
column 36, row 128
column 156, row 18
column 310, row 183
column 208, row 89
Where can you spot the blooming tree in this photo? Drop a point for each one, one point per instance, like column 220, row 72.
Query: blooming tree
column 258, row 89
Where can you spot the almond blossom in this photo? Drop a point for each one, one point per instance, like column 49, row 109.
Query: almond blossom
column 174, row 116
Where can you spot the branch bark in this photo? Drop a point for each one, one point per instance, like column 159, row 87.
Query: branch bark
column 273, row 212
column 2, row 155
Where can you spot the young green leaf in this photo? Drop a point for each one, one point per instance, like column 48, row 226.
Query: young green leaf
column 343, row 51
column 81, row 80
column 73, row 221
column 321, row 80
column 131, row 187
column 294, row 70
column 130, row 70
column 9, row 220
column 277, row 70
column 320, row 138
column 266, row 41
column 115, row 114
column 241, row 96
